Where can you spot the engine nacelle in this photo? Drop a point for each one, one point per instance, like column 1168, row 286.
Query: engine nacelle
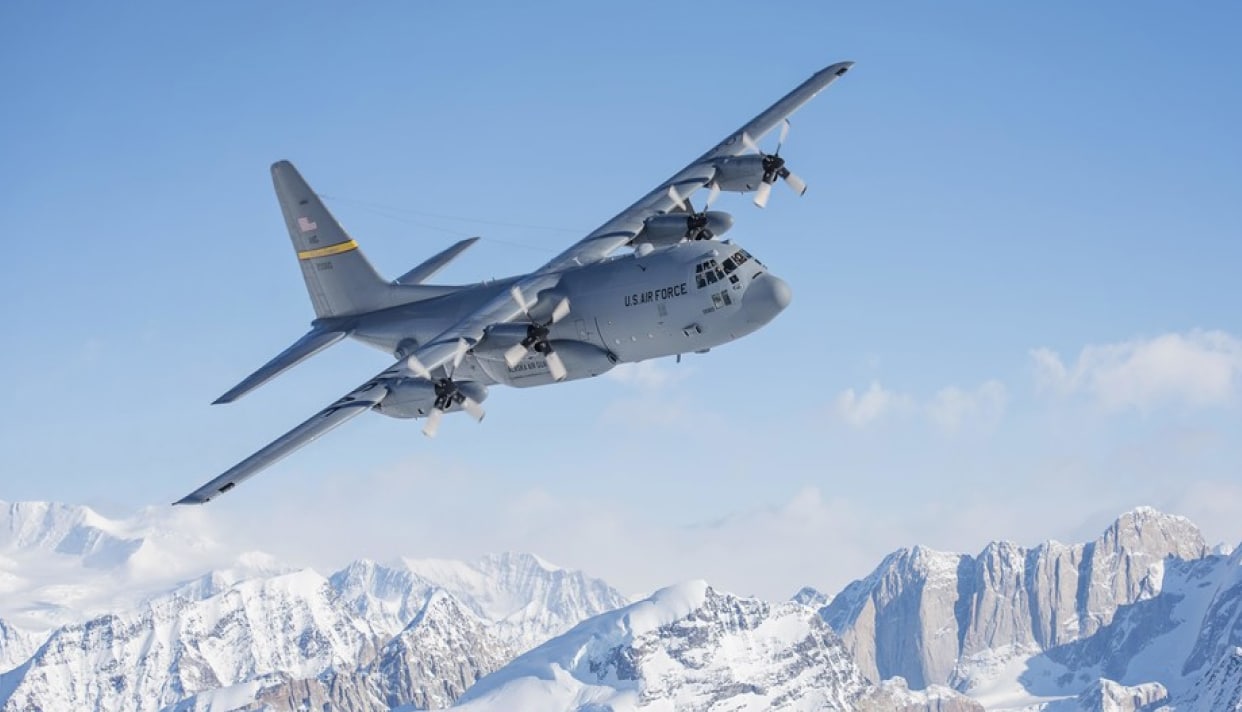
column 582, row 360
column 670, row 228
column 415, row 397
column 497, row 339
column 740, row 174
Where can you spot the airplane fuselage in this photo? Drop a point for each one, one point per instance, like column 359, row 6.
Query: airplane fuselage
column 687, row 297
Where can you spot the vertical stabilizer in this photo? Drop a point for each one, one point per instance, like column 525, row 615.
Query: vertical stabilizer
column 338, row 277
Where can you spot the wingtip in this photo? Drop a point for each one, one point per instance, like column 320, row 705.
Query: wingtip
column 839, row 68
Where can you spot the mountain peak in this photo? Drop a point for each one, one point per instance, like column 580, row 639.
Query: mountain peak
column 1149, row 531
column 811, row 596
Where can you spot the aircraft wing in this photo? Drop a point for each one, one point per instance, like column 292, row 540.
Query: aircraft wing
column 618, row 231
column 357, row 401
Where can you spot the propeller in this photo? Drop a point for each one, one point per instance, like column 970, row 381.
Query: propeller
column 448, row 393
column 773, row 168
column 537, row 337
column 696, row 222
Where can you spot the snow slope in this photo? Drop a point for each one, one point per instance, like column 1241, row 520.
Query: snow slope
column 689, row 647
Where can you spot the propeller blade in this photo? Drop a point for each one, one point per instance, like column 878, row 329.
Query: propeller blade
column 514, row 354
column 417, row 367
column 750, row 143
column 795, row 182
column 472, row 407
column 678, row 200
column 462, row 348
column 761, row 194
column 784, row 135
column 555, row 366
column 433, row 422
column 561, row 311
column 712, row 195
column 521, row 301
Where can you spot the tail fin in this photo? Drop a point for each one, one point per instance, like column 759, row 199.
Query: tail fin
column 338, row 277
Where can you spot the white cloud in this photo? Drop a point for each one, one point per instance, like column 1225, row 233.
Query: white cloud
column 647, row 375
column 872, row 405
column 953, row 407
column 950, row 409
column 1198, row 368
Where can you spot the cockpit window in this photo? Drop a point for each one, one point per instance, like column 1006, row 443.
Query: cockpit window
column 707, row 272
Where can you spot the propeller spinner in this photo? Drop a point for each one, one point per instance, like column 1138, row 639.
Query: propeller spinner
column 773, row 168
column 696, row 222
column 448, row 393
column 537, row 337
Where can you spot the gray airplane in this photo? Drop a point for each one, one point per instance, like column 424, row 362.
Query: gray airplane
column 679, row 290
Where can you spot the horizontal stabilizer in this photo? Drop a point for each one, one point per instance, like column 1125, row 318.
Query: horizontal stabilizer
column 435, row 263
column 305, row 347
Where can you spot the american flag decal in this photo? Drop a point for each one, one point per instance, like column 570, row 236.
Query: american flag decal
column 306, row 225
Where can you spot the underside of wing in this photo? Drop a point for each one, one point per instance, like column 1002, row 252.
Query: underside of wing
column 358, row 401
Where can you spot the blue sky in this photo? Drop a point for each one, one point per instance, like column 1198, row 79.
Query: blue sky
column 1015, row 273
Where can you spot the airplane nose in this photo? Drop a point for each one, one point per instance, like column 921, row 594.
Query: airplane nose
column 766, row 297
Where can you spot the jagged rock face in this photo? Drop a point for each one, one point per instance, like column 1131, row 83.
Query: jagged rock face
column 1221, row 632
column 280, row 693
column 903, row 619
column 258, row 634
column 920, row 612
column 528, row 599
column 388, row 597
column 176, row 646
column 726, row 635
column 1220, row 688
column 896, row 696
column 440, row 654
column 690, row 647
column 1109, row 696
column 443, row 651
column 808, row 596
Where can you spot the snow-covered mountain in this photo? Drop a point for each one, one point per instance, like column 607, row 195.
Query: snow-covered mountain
column 1144, row 607
column 152, row 613
column 63, row 564
column 528, row 599
column 253, row 631
column 690, row 647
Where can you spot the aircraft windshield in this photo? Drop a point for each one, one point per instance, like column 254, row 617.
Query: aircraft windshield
column 710, row 271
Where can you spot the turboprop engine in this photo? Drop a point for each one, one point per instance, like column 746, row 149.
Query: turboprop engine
column 672, row 228
column 579, row 359
column 416, row 397
column 739, row 174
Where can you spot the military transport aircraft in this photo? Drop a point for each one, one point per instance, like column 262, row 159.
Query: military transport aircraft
column 679, row 290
